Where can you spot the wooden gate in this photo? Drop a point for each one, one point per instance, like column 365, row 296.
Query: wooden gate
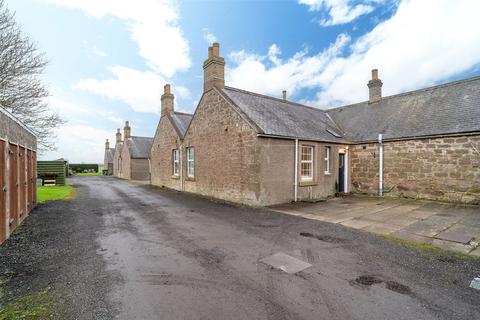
column 22, row 183
column 13, row 185
column 3, row 207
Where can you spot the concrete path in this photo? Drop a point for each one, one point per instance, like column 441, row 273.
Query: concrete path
column 447, row 226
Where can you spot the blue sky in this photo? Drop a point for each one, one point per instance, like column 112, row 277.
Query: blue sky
column 109, row 59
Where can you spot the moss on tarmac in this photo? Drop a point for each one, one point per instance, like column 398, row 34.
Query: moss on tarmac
column 32, row 307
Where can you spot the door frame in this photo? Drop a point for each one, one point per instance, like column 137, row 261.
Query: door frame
column 345, row 168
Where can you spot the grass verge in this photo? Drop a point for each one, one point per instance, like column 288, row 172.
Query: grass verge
column 53, row 193
column 36, row 306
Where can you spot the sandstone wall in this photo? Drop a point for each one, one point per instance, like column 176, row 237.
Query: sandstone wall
column 445, row 169
column 227, row 153
column 165, row 141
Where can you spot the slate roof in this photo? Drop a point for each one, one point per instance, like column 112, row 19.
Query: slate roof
column 139, row 147
column 444, row 109
column 110, row 154
column 180, row 122
column 282, row 118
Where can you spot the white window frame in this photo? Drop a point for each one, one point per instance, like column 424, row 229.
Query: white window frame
column 328, row 151
column 176, row 162
column 190, row 162
column 309, row 161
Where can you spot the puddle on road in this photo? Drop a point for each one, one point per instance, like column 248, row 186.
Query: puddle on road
column 370, row 280
column 323, row 237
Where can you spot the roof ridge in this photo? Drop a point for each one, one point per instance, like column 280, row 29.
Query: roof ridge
column 407, row 93
column 141, row 137
column 274, row 98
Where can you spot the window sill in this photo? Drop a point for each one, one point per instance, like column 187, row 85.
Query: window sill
column 328, row 173
column 176, row 177
column 190, row 179
column 307, row 183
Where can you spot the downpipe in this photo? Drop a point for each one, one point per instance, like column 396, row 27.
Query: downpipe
column 296, row 171
column 380, row 166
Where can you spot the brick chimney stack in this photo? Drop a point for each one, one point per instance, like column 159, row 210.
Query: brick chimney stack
column 118, row 135
column 126, row 131
column 107, row 145
column 167, row 101
column 375, row 87
column 214, row 69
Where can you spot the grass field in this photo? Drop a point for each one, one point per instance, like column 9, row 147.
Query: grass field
column 55, row 193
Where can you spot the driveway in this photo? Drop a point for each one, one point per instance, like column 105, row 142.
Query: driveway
column 443, row 225
column 129, row 251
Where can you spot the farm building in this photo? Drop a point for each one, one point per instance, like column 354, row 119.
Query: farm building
column 132, row 156
column 18, row 153
column 52, row 172
column 260, row 150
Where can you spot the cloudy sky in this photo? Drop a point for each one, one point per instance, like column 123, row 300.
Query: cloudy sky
column 109, row 59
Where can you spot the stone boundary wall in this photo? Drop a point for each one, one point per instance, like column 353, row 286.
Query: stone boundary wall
column 444, row 168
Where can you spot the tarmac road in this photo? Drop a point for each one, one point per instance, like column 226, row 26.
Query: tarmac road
column 158, row 254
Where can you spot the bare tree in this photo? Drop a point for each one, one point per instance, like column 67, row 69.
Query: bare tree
column 21, row 89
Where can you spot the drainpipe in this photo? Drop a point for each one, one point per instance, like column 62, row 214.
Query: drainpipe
column 296, row 170
column 182, row 184
column 380, row 167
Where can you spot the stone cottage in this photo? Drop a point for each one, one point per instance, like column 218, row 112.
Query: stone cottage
column 167, row 147
column 108, row 158
column 18, row 158
column 132, row 155
column 259, row 150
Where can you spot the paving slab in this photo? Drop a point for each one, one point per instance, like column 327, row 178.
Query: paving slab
column 357, row 223
column 457, row 233
column 286, row 263
column 404, row 235
column 475, row 252
column 420, row 214
column 451, row 246
column 432, row 226
column 381, row 228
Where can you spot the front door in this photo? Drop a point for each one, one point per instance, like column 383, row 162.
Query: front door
column 341, row 172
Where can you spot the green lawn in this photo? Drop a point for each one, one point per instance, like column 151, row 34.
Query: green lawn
column 55, row 193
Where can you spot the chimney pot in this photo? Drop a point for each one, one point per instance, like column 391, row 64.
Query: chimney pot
column 216, row 49
column 374, row 88
column 210, row 52
column 166, row 88
column 107, row 144
column 284, row 93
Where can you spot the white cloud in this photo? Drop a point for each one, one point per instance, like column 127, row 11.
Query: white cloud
column 339, row 11
column 153, row 26
column 412, row 49
column 98, row 52
column 80, row 143
column 140, row 90
column 208, row 36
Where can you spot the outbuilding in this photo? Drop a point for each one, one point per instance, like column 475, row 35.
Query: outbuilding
column 18, row 154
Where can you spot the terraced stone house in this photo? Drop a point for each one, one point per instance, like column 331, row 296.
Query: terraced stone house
column 254, row 149
column 132, row 155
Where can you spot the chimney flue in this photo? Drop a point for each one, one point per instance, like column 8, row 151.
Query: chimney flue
column 374, row 88
column 214, row 69
column 167, row 101
column 284, row 94
column 126, row 131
